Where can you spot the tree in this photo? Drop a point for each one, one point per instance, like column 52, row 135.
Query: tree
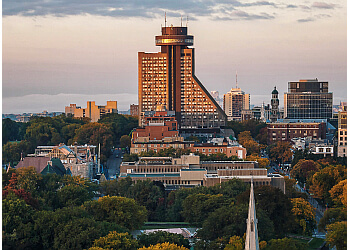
column 123, row 211
column 286, row 243
column 27, row 179
column 280, row 151
column 224, row 222
column 339, row 193
column 304, row 216
column 249, row 143
column 162, row 237
column 42, row 132
column 235, row 243
column 120, row 124
column 69, row 196
column 95, row 134
column 147, row 193
column 68, row 133
column 10, row 131
column 164, row 246
column 17, row 223
column 275, row 204
column 324, row 180
column 125, row 141
column 262, row 136
column 304, row 169
column 330, row 216
column 114, row 240
column 263, row 162
column 290, row 189
column 197, row 207
column 336, row 235
column 130, row 157
column 11, row 151
column 78, row 233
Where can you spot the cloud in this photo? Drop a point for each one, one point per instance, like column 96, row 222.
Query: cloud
column 242, row 15
column 305, row 20
column 322, row 5
column 132, row 8
column 291, row 6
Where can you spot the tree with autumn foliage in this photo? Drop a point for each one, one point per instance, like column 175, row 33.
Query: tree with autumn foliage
column 304, row 169
column 280, row 152
column 164, row 246
column 263, row 162
column 114, row 240
column 336, row 235
column 324, row 180
column 235, row 243
column 28, row 179
column 304, row 216
column 247, row 141
column 339, row 193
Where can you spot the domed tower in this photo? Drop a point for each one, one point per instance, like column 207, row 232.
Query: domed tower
column 274, row 105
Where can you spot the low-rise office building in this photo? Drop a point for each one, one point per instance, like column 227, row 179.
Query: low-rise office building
column 189, row 171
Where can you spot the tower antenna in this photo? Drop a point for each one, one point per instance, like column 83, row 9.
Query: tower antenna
column 181, row 20
column 236, row 81
column 186, row 21
column 165, row 19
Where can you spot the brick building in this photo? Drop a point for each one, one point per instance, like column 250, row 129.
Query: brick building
column 134, row 110
column 287, row 130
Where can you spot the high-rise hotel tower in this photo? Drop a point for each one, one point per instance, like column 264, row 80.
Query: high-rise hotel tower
column 168, row 78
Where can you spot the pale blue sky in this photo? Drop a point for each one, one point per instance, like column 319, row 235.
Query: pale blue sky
column 62, row 52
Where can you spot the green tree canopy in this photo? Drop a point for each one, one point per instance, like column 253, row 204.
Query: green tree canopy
column 286, row 243
column 197, row 207
column 123, row 211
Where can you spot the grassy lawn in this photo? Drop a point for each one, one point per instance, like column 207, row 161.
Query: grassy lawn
column 315, row 243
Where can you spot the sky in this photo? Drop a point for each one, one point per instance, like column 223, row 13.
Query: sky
column 71, row 51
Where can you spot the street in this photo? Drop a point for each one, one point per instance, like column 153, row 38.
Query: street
column 113, row 164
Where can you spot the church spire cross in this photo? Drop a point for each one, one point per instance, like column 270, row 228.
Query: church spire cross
column 252, row 240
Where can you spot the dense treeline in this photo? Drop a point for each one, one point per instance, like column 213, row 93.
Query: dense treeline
column 60, row 212
column 23, row 138
column 326, row 180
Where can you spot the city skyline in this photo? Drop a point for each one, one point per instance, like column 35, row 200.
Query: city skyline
column 65, row 53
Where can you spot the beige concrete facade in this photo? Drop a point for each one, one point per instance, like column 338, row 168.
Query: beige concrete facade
column 188, row 171
column 92, row 111
column 342, row 133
